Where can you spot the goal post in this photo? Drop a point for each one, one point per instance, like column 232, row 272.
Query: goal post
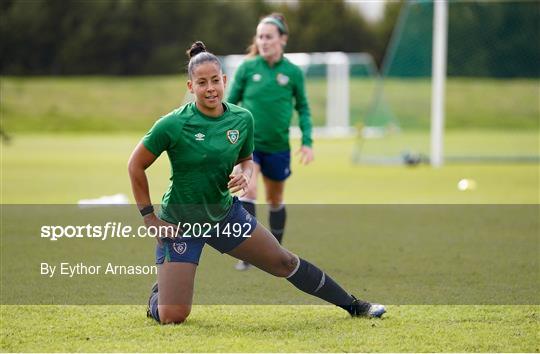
column 459, row 84
column 440, row 33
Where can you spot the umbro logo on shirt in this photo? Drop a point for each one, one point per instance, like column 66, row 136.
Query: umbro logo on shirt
column 199, row 137
column 257, row 77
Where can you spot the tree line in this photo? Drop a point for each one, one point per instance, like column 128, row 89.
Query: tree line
column 130, row 37
column 143, row 37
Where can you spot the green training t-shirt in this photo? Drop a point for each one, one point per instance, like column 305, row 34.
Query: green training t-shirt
column 202, row 151
column 268, row 93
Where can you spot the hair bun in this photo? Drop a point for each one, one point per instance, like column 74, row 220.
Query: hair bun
column 196, row 48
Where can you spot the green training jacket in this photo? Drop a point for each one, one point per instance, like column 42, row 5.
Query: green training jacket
column 269, row 94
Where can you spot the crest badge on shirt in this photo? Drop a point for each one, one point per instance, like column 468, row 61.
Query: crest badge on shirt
column 282, row 79
column 180, row 247
column 233, row 136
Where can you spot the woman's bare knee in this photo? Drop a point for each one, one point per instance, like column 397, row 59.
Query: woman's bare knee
column 173, row 313
column 286, row 265
column 274, row 194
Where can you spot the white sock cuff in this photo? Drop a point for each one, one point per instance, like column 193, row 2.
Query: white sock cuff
column 296, row 268
column 278, row 208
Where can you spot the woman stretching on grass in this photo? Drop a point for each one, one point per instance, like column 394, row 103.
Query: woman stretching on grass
column 204, row 140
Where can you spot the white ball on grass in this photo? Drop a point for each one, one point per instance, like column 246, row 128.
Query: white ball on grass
column 466, row 184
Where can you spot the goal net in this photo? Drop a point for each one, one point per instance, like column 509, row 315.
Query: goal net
column 492, row 87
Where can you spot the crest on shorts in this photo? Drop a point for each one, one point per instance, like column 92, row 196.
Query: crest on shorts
column 233, row 136
column 180, row 247
column 282, row 79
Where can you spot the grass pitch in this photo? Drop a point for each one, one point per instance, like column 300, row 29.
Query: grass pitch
column 61, row 169
column 57, row 169
column 271, row 329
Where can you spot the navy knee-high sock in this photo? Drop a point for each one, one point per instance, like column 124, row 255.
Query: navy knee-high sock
column 277, row 219
column 154, row 306
column 310, row 279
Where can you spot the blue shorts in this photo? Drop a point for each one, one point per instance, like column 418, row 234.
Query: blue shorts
column 276, row 166
column 223, row 236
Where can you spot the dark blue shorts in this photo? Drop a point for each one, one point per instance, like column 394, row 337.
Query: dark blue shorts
column 276, row 166
column 223, row 236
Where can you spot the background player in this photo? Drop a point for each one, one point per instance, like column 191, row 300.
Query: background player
column 268, row 85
